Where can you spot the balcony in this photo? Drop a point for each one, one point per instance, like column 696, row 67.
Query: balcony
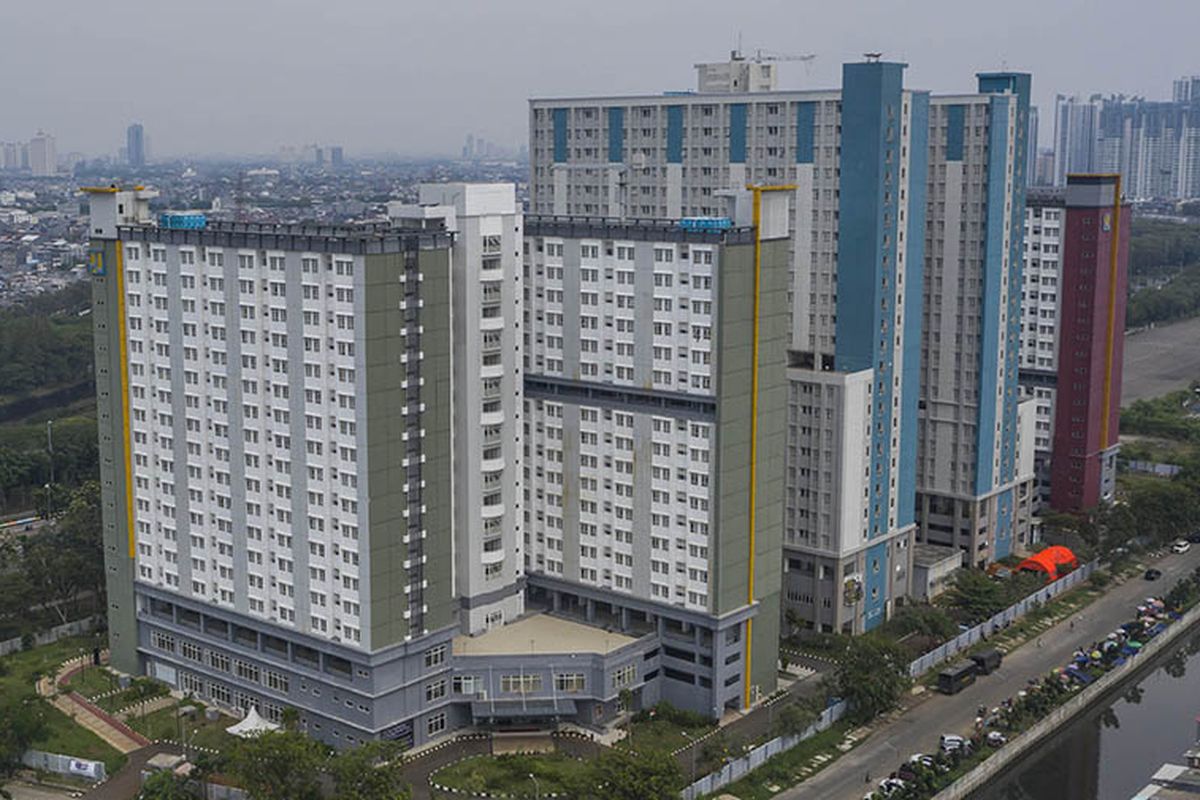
column 493, row 511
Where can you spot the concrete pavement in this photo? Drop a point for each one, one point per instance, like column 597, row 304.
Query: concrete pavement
column 119, row 735
column 917, row 730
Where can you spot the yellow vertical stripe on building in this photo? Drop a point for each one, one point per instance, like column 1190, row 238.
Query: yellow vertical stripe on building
column 1114, row 251
column 123, row 369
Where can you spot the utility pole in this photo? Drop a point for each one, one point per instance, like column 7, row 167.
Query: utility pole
column 50, row 485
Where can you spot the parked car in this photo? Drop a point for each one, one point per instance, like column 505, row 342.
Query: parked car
column 1180, row 547
column 953, row 743
column 891, row 786
column 1194, row 538
column 1153, row 574
column 996, row 739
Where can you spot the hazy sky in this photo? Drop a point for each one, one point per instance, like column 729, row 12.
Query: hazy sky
column 415, row 76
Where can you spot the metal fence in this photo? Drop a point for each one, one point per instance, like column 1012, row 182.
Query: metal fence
column 54, row 634
column 738, row 767
column 65, row 765
column 1002, row 620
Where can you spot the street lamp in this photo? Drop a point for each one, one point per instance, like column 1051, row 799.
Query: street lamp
column 537, row 790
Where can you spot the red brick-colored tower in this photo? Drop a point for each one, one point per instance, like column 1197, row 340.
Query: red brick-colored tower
column 1095, row 259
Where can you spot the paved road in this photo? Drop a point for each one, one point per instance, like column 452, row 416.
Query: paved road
column 126, row 784
column 918, row 729
column 1160, row 360
column 25, row 791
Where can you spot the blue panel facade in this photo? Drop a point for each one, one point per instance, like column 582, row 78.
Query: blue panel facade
column 560, row 135
column 616, row 134
column 875, row 586
column 806, row 116
column 868, row 226
column 674, row 134
column 1018, row 84
column 1003, row 535
column 994, row 245
column 737, row 133
column 956, row 119
column 914, row 271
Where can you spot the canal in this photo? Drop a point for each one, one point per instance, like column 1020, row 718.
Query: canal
column 1110, row 752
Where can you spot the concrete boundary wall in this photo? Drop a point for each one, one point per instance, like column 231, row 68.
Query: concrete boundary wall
column 86, row 625
column 1086, row 698
column 754, row 759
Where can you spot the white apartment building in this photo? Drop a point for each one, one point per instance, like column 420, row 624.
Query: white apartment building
column 1039, row 324
column 653, row 448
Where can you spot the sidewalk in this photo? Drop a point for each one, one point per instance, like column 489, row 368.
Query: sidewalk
column 899, row 735
column 116, row 733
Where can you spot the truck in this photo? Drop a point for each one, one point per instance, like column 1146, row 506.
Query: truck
column 953, row 680
column 987, row 661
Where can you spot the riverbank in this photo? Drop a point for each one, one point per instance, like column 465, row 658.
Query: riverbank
column 1086, row 699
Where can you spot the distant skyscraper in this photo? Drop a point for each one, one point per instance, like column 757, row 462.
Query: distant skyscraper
column 336, row 156
column 43, row 160
column 1186, row 89
column 1031, row 176
column 135, row 145
column 1076, row 124
column 10, row 156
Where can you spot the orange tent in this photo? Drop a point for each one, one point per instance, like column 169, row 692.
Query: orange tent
column 1055, row 561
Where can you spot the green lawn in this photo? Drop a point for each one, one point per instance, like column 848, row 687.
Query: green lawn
column 131, row 696
column 93, row 681
column 18, row 673
column 661, row 736
column 509, row 774
column 162, row 724
column 785, row 769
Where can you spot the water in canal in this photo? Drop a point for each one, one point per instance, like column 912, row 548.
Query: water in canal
column 1111, row 752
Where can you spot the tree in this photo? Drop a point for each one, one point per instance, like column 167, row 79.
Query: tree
column 795, row 717
column 621, row 775
column 166, row 785
column 280, row 765
column 872, row 676
column 67, row 559
column 927, row 621
column 374, row 771
column 22, row 722
column 976, row 595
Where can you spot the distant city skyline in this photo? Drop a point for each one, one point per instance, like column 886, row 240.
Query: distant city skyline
column 416, row 80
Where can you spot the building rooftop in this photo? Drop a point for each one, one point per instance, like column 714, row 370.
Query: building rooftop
column 926, row 555
column 643, row 230
column 362, row 239
column 540, row 634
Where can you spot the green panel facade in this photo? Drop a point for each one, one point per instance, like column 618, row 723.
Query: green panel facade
column 385, row 346
column 119, row 568
column 735, row 342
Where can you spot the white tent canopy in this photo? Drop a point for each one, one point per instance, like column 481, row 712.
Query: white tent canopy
column 252, row 725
